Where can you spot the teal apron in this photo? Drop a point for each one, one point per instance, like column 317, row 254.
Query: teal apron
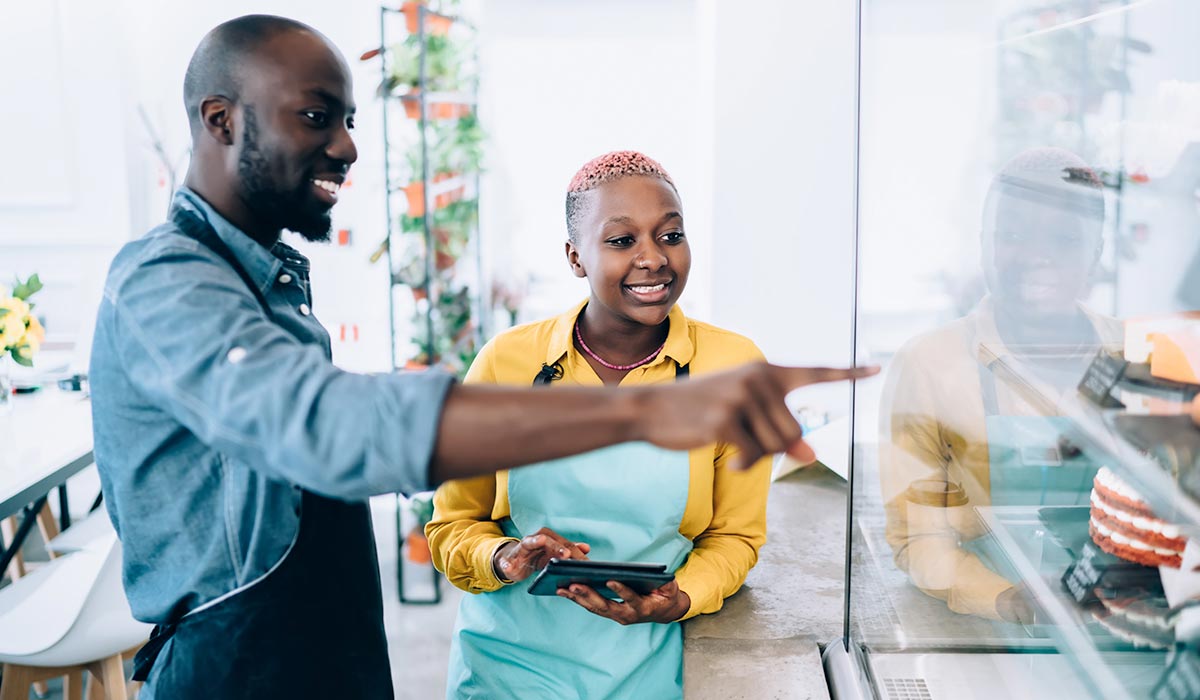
column 1030, row 464
column 627, row 502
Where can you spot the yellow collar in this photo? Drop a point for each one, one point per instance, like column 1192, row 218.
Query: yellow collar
column 678, row 347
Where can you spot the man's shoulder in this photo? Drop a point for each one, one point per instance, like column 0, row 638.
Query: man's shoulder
column 163, row 244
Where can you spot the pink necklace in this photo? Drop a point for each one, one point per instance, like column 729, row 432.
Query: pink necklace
column 597, row 358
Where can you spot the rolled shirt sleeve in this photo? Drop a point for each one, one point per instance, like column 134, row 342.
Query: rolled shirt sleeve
column 196, row 342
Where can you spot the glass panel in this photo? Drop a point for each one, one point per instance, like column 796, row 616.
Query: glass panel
column 1026, row 473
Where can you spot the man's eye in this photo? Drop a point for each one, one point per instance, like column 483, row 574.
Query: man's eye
column 350, row 123
column 673, row 236
column 317, row 118
column 621, row 242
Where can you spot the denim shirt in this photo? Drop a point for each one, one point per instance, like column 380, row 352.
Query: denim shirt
column 210, row 416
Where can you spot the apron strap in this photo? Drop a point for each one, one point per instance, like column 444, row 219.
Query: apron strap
column 203, row 233
column 143, row 661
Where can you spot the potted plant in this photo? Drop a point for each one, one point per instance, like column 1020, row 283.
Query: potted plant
column 21, row 334
column 421, row 507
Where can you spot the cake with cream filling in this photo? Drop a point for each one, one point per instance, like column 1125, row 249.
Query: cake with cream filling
column 1123, row 525
column 1142, row 618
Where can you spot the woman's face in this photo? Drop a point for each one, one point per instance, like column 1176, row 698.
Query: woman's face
column 632, row 249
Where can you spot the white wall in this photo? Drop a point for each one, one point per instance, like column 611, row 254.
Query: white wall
column 565, row 82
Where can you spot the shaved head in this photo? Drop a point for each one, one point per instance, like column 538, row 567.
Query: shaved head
column 270, row 103
column 216, row 66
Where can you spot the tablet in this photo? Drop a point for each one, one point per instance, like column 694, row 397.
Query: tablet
column 561, row 573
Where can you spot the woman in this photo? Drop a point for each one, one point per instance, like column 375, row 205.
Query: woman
column 631, row 502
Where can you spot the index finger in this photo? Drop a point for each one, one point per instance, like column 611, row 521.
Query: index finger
column 796, row 377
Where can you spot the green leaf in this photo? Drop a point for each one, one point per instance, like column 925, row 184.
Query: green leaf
column 23, row 361
column 31, row 286
column 4, row 312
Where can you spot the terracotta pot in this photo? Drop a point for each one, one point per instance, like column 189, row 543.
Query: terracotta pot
column 412, row 106
column 434, row 24
column 442, row 199
column 419, row 293
column 443, row 261
column 415, row 193
column 418, row 547
column 414, row 366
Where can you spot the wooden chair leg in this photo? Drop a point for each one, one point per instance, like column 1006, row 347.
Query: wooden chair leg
column 48, row 526
column 112, row 676
column 73, row 685
column 16, row 682
column 8, row 529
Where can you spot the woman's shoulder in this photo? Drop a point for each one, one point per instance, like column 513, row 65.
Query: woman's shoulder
column 719, row 347
column 514, row 353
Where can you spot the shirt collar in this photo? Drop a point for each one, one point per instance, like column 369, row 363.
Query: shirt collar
column 261, row 265
column 678, row 346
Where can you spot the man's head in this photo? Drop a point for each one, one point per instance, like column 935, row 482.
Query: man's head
column 625, row 235
column 270, row 104
column 1043, row 221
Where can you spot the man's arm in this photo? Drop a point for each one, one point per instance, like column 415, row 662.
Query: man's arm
column 485, row 428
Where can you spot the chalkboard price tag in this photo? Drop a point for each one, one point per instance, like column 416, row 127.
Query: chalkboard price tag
column 1101, row 377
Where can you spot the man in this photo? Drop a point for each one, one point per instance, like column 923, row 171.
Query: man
column 236, row 459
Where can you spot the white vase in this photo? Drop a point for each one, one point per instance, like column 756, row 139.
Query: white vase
column 6, row 382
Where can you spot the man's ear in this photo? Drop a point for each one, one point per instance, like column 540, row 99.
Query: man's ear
column 216, row 116
column 573, row 260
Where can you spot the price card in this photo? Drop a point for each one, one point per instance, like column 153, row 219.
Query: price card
column 1181, row 680
column 1101, row 376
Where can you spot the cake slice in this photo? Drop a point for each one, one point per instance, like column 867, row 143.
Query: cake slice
column 1123, row 525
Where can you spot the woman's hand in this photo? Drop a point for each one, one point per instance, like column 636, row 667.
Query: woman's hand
column 517, row 561
column 664, row 604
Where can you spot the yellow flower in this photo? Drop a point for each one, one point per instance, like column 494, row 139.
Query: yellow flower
column 35, row 331
column 12, row 323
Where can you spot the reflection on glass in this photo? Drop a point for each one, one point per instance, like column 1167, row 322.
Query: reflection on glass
column 1027, row 476
column 959, row 427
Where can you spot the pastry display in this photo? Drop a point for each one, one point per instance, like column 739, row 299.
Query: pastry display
column 1123, row 525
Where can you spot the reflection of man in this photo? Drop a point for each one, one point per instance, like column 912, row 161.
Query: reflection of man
column 965, row 419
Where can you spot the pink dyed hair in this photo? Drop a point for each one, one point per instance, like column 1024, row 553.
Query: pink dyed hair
column 614, row 166
column 606, row 168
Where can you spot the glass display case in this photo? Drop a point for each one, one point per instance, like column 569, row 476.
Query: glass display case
column 1025, row 480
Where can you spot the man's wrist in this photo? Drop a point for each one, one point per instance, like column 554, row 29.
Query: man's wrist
column 630, row 408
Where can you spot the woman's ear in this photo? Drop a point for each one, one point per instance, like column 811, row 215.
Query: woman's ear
column 573, row 260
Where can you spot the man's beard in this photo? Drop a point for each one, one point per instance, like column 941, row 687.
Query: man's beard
column 286, row 209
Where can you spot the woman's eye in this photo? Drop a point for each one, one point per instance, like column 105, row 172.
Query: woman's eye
column 350, row 124
column 622, row 242
column 317, row 118
column 673, row 236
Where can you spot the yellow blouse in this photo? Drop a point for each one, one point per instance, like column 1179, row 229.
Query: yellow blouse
column 726, row 512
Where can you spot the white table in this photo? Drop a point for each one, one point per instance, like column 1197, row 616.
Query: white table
column 45, row 438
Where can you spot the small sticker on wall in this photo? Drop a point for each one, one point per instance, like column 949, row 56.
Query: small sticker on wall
column 343, row 237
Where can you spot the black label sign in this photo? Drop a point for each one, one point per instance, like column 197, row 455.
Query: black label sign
column 1181, row 680
column 1101, row 376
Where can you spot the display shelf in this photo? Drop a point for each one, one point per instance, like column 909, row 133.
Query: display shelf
column 1088, row 648
column 1092, row 431
column 437, row 256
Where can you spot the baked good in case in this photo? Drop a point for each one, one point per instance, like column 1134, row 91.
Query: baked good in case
column 1123, row 525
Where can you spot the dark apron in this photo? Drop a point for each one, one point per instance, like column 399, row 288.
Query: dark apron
column 312, row 627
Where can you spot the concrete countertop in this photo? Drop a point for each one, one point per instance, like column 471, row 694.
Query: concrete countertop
column 763, row 643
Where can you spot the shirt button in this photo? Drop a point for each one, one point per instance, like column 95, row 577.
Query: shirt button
column 304, row 310
column 236, row 355
column 285, row 278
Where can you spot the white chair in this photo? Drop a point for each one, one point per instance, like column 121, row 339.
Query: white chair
column 68, row 617
column 82, row 533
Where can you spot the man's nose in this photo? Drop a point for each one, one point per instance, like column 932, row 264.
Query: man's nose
column 342, row 147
